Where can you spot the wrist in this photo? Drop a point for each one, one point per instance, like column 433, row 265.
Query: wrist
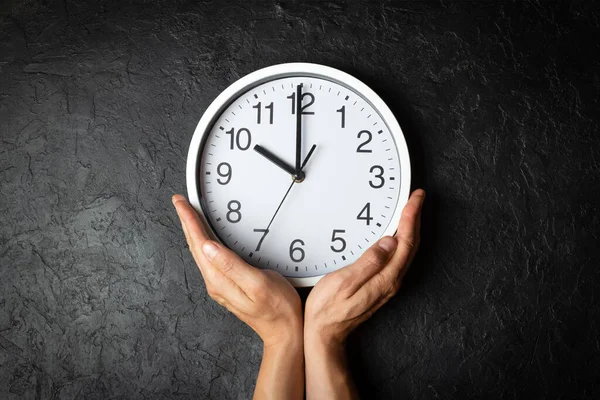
column 323, row 340
column 288, row 338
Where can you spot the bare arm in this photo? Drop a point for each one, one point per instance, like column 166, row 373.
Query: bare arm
column 281, row 374
column 327, row 373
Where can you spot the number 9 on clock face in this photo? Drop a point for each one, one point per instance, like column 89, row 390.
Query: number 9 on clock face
column 298, row 168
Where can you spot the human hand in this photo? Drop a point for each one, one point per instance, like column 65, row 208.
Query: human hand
column 344, row 299
column 263, row 299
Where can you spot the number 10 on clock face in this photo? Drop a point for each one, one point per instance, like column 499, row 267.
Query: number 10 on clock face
column 300, row 175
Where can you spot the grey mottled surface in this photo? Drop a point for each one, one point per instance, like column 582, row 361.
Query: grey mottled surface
column 99, row 297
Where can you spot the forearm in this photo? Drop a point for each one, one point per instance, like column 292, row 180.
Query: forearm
column 281, row 374
column 327, row 372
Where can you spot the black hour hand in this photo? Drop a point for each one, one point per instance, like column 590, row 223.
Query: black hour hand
column 275, row 160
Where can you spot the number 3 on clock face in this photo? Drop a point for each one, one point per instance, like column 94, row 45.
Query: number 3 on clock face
column 298, row 168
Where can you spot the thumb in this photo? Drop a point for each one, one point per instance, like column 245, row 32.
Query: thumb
column 369, row 264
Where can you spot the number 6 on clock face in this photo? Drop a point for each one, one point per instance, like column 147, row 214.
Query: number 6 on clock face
column 298, row 168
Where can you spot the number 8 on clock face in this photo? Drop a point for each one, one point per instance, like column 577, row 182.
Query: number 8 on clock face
column 298, row 168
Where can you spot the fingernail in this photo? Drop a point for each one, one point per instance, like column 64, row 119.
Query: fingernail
column 177, row 198
column 423, row 197
column 388, row 243
column 210, row 249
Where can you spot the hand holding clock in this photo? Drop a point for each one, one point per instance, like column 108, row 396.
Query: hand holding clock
column 339, row 302
column 263, row 299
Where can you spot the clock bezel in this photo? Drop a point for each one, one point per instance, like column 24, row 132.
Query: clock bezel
column 256, row 78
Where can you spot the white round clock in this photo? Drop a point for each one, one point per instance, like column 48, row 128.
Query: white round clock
column 299, row 168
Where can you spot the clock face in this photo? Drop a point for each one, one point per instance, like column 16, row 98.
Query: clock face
column 307, row 224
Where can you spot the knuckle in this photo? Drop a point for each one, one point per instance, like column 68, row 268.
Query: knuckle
column 335, row 280
column 374, row 257
column 381, row 283
column 410, row 243
column 227, row 265
column 212, row 292
column 256, row 289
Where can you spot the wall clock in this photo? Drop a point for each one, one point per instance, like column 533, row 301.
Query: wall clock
column 298, row 168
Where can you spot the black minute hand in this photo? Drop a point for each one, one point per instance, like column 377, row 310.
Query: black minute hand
column 298, row 127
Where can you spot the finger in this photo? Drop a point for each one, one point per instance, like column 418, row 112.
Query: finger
column 248, row 278
column 408, row 233
column 370, row 263
column 190, row 219
column 174, row 200
column 193, row 228
column 388, row 279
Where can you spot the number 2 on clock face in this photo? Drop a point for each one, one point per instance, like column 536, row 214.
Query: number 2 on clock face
column 260, row 207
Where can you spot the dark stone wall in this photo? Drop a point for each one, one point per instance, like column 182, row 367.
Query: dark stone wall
column 99, row 297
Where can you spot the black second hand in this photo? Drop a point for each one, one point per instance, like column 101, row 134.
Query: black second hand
column 280, row 204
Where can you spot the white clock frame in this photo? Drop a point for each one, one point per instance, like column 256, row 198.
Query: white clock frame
column 261, row 76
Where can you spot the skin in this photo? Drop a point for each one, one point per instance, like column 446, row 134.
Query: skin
column 339, row 302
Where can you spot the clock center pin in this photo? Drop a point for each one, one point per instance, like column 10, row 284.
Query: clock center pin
column 299, row 177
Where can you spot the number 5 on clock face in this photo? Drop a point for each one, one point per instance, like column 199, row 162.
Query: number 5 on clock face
column 299, row 168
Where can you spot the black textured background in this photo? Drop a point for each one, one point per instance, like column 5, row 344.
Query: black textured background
column 99, row 297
